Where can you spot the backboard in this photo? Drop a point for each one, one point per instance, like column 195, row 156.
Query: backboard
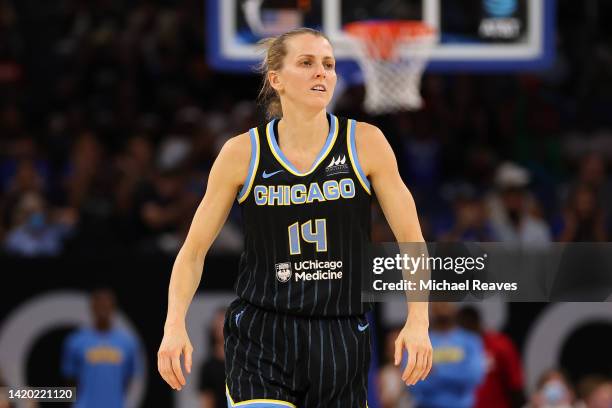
column 473, row 35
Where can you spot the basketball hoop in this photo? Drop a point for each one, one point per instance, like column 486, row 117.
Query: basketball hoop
column 392, row 56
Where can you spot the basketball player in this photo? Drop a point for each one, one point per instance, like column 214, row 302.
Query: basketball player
column 297, row 336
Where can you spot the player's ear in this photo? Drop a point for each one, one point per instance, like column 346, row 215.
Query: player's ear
column 275, row 81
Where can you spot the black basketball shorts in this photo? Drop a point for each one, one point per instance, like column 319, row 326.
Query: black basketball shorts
column 280, row 360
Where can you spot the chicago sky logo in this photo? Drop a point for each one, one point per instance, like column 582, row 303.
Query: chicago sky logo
column 500, row 8
column 337, row 165
column 283, row 271
column 337, row 162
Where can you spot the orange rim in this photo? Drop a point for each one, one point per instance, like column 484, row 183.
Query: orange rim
column 381, row 37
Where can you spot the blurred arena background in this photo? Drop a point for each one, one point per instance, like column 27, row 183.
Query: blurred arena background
column 112, row 112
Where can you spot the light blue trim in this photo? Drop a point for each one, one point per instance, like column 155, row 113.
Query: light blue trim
column 330, row 136
column 250, row 175
column 258, row 405
column 355, row 157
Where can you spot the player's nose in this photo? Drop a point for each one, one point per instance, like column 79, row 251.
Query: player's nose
column 320, row 71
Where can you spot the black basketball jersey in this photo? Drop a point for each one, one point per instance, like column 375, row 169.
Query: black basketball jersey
column 305, row 233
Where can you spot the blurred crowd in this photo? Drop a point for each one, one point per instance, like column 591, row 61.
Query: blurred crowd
column 110, row 118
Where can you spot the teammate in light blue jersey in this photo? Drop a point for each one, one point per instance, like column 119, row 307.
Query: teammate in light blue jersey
column 100, row 360
column 458, row 363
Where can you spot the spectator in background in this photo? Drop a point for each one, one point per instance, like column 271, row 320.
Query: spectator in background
column 212, row 374
column 592, row 172
column 420, row 156
column 12, row 126
column 101, row 361
column 503, row 383
column 458, row 363
column 88, row 184
column 134, row 172
column 583, row 219
column 513, row 208
column 163, row 211
column 392, row 391
column 470, row 221
column 595, row 392
column 38, row 231
column 21, row 171
column 552, row 391
column 85, row 170
column 134, row 167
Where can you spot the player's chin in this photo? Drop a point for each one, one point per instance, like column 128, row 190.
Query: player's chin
column 318, row 99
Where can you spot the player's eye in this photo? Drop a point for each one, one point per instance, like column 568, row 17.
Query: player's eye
column 329, row 65
column 307, row 63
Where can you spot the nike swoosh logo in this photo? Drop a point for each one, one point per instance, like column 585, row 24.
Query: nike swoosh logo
column 238, row 316
column 268, row 175
column 362, row 328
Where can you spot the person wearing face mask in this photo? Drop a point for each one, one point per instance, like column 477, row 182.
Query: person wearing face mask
column 458, row 363
column 553, row 391
column 36, row 233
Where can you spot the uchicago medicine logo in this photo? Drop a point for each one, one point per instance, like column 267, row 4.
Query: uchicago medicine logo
column 283, row 272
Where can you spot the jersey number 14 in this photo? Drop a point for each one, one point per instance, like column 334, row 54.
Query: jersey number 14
column 317, row 236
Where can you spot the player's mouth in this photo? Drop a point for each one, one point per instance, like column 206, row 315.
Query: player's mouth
column 319, row 88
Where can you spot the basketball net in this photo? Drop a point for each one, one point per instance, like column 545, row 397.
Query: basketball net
column 392, row 56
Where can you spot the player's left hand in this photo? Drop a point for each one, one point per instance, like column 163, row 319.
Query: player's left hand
column 414, row 338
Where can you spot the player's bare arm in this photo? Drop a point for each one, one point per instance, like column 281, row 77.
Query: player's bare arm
column 226, row 175
column 380, row 165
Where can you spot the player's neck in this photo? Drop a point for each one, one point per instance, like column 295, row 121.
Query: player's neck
column 302, row 130
column 442, row 327
column 102, row 326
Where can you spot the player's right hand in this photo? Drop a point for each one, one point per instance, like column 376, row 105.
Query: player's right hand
column 175, row 342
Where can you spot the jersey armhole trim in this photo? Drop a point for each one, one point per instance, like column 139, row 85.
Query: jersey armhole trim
column 248, row 183
column 352, row 150
column 256, row 403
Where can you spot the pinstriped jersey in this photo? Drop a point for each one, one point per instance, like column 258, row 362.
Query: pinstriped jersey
column 305, row 232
